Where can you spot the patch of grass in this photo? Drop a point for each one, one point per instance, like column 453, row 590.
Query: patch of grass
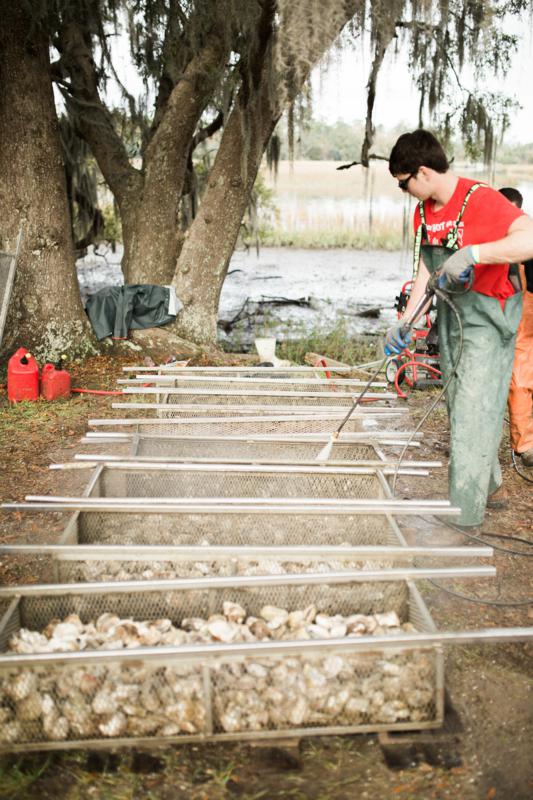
column 334, row 342
column 16, row 779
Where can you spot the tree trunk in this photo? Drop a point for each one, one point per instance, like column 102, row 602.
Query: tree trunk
column 148, row 199
column 46, row 314
column 210, row 241
column 157, row 237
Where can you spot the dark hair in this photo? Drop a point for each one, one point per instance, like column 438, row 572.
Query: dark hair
column 417, row 149
column 513, row 195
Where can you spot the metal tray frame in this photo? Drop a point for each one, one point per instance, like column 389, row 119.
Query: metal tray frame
column 206, row 657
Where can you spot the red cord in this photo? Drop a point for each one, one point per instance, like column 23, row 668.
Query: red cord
column 321, row 362
column 95, row 391
column 416, row 365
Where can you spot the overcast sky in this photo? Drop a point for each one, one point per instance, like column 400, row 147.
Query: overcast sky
column 339, row 90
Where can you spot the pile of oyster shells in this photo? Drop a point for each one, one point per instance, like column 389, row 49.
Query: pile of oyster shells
column 139, row 699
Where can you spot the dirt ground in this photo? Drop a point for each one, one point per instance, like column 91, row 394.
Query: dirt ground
column 489, row 686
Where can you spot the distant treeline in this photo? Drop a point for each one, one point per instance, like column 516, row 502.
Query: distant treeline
column 320, row 141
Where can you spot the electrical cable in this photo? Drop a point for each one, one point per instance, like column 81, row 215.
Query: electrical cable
column 496, row 603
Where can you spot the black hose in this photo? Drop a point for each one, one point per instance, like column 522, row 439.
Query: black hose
column 507, row 536
column 469, row 599
column 524, row 477
column 475, row 538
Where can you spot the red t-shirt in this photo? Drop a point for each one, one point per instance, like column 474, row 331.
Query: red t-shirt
column 487, row 218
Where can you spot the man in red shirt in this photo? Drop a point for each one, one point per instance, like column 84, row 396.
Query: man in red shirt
column 465, row 230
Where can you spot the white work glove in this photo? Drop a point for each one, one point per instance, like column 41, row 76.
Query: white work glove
column 458, row 267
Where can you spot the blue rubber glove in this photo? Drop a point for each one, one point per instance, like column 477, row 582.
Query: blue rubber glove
column 395, row 342
column 458, row 267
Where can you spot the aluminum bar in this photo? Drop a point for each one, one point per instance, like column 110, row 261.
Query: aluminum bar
column 114, row 437
column 97, row 552
column 233, row 506
column 404, row 641
column 374, row 464
column 206, row 462
column 383, row 504
column 238, row 468
column 280, row 382
column 245, row 581
column 237, row 370
column 216, row 408
column 257, row 393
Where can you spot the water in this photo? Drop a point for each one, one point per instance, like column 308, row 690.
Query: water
column 339, row 283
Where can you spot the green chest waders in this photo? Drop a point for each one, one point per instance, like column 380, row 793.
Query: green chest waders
column 477, row 396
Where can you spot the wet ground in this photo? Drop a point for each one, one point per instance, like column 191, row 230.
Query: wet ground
column 339, row 283
column 489, row 686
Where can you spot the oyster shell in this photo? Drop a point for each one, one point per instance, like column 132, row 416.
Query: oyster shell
column 140, row 699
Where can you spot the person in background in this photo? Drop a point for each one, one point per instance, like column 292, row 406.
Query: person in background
column 520, row 402
column 466, row 233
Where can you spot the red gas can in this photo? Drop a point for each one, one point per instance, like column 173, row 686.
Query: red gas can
column 22, row 377
column 55, row 382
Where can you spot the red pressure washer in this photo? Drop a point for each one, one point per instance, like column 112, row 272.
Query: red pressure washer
column 419, row 367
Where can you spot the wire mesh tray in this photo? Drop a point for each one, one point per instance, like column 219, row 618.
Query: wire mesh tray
column 242, row 527
column 250, row 449
column 238, row 481
column 259, row 690
column 246, row 425
column 250, row 397
column 253, row 541
column 245, row 385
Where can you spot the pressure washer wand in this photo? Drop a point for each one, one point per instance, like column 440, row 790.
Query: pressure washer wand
column 415, row 314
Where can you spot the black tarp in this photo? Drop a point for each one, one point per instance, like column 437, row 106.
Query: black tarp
column 115, row 310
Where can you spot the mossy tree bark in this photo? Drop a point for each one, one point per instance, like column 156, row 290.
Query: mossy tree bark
column 210, row 241
column 46, row 314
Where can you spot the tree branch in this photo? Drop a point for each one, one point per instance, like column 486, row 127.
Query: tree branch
column 208, row 131
column 91, row 117
column 371, row 157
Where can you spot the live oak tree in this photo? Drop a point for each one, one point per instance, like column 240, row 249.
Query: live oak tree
column 237, row 56
column 232, row 66
column 46, row 314
column 186, row 55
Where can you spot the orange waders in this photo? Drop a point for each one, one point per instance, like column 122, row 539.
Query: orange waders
column 521, row 390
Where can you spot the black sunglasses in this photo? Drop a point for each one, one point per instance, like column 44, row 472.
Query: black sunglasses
column 403, row 184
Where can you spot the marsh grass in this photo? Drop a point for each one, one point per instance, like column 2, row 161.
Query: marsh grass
column 381, row 237
column 318, row 206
